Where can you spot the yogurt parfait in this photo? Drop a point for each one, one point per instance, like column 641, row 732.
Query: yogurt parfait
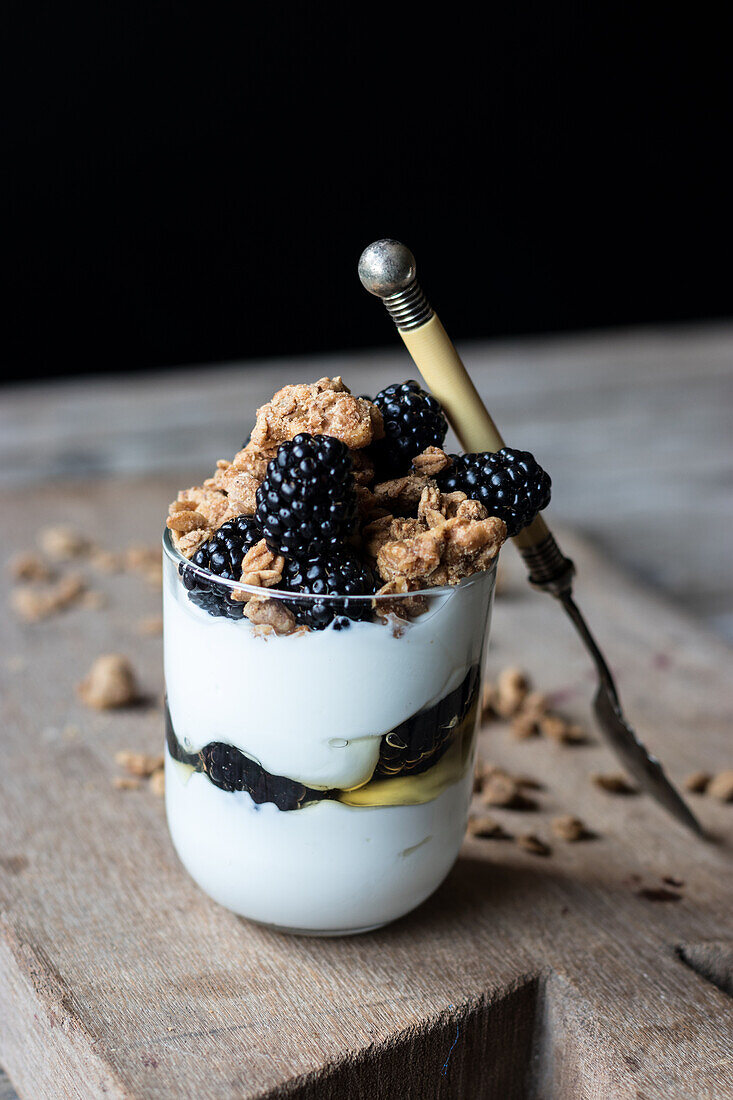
column 327, row 595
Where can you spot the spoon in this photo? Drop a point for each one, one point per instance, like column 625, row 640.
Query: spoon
column 387, row 270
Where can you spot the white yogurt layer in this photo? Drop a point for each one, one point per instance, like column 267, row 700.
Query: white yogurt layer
column 325, row 868
column 313, row 707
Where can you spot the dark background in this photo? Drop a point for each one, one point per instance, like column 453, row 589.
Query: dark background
column 191, row 182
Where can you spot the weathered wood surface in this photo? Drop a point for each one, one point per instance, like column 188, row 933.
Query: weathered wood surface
column 521, row 977
column 634, row 426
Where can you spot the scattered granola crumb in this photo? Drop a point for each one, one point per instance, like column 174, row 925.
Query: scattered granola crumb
column 527, row 711
column 151, row 626
column 524, row 726
column 487, row 703
column 535, row 704
column 613, row 784
column 484, row 769
column 721, row 786
column 33, row 604
column 658, row 894
column 552, row 726
column 140, row 764
column 528, row 782
column 126, row 783
column 531, row 843
column 697, row 782
column 486, row 828
column 481, row 772
column 63, row 543
column 500, row 789
column 560, row 730
column 157, row 782
column 110, row 683
column 30, row 567
column 574, row 735
column 569, row 828
column 511, row 690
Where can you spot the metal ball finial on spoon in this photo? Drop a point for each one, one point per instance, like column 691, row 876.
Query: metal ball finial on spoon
column 387, row 269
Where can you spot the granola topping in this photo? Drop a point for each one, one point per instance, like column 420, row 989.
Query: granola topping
column 324, row 408
column 431, row 462
column 444, row 554
column 264, row 611
column 408, row 531
column 261, row 568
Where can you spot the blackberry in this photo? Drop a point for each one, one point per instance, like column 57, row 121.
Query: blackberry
column 419, row 742
column 230, row 770
column 221, row 555
column 308, row 497
column 511, row 484
column 335, row 572
column 413, row 420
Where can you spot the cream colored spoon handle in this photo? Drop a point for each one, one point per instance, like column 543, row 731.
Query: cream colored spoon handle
column 441, row 366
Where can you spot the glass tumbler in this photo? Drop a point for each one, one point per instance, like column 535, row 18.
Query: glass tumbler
column 318, row 782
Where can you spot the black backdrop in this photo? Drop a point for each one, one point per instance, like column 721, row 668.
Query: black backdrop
column 191, row 182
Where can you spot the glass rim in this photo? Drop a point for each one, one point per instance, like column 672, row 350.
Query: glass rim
column 177, row 558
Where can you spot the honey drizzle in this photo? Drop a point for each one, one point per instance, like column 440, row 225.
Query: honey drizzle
column 414, row 790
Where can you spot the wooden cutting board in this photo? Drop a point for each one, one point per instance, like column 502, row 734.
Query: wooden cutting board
column 523, row 976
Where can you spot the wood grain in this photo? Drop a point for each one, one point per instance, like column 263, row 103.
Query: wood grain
column 520, row 977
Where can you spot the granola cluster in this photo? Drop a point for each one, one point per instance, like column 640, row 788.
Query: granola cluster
column 410, row 533
column 325, row 407
column 451, row 538
column 110, row 683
